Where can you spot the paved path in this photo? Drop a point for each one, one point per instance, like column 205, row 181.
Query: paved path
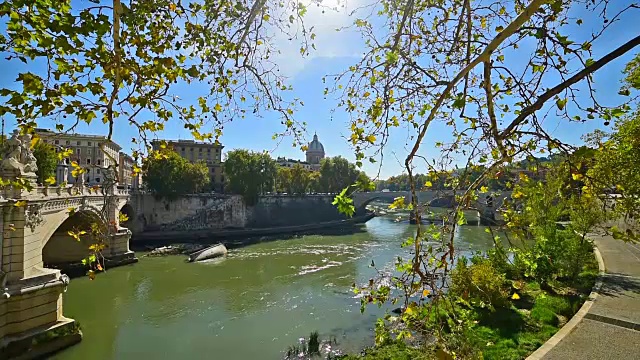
column 610, row 329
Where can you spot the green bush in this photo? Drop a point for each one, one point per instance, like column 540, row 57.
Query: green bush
column 556, row 254
column 556, row 304
column 544, row 315
column 480, row 284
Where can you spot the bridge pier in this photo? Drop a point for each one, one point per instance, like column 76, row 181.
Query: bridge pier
column 31, row 303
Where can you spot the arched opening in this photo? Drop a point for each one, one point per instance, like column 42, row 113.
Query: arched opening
column 127, row 211
column 62, row 248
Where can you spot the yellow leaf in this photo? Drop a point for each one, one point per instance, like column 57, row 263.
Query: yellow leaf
column 51, row 180
column 217, row 107
column 425, row 293
column 484, row 189
column 517, row 194
column 409, row 310
column 366, row 94
column 172, row 7
column 371, row 138
column 483, row 22
column 20, row 203
column 34, row 141
column 428, row 184
column 92, row 274
column 266, row 17
column 515, row 296
column 576, row 177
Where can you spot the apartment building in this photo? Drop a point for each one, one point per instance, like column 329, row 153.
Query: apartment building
column 86, row 152
column 289, row 163
column 194, row 151
column 125, row 170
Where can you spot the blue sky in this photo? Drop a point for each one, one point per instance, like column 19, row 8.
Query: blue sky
column 335, row 52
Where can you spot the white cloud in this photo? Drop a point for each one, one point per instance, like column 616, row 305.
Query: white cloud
column 324, row 17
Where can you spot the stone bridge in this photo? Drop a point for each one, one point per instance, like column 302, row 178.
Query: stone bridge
column 486, row 203
column 35, row 241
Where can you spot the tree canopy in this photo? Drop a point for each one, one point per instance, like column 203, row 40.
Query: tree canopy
column 296, row 180
column 249, row 173
column 336, row 173
column 47, row 161
column 167, row 174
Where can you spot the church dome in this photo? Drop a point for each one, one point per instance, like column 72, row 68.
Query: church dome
column 315, row 145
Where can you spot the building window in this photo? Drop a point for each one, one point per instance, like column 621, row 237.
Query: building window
column 88, row 161
column 79, row 143
column 89, row 143
column 78, row 151
column 99, row 161
column 209, row 150
column 89, row 151
column 67, row 142
column 200, row 150
column 97, row 179
column 57, row 142
column 182, row 148
column 98, row 170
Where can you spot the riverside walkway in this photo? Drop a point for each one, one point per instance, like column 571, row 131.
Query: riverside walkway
column 608, row 325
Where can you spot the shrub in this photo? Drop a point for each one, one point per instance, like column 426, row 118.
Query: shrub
column 480, row 284
column 556, row 304
column 557, row 254
column 544, row 315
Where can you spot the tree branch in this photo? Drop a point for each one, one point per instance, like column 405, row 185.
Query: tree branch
column 565, row 84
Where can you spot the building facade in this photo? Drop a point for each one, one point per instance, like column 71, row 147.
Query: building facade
column 194, row 151
column 315, row 153
column 86, row 152
column 289, row 163
column 125, row 170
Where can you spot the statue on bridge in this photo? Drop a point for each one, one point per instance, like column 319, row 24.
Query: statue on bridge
column 18, row 159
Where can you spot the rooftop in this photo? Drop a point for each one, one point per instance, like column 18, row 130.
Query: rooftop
column 187, row 143
column 49, row 133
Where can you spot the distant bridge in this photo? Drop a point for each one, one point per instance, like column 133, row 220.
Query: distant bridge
column 486, row 202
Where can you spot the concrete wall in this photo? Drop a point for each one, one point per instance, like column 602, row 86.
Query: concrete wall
column 273, row 211
column 215, row 211
column 189, row 212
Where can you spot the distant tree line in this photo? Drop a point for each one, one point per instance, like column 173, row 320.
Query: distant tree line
column 462, row 178
column 252, row 174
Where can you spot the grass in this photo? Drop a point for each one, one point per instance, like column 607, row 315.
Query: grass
column 395, row 351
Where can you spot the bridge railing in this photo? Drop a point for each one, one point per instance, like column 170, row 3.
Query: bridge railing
column 45, row 192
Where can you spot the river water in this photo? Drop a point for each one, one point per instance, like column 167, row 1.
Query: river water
column 252, row 305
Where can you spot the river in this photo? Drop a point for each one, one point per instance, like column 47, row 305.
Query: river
column 251, row 305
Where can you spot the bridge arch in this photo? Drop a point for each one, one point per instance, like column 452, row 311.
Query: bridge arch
column 60, row 248
column 127, row 210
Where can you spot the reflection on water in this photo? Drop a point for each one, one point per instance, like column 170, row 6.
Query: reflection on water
column 251, row 305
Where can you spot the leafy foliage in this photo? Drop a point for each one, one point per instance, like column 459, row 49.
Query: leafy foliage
column 616, row 171
column 167, row 174
column 47, row 161
column 296, row 180
column 250, row 174
column 336, row 174
column 119, row 60
column 480, row 284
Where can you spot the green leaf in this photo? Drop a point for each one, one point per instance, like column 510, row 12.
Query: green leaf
column 561, row 103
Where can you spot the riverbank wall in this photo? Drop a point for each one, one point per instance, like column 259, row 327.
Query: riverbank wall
column 205, row 214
